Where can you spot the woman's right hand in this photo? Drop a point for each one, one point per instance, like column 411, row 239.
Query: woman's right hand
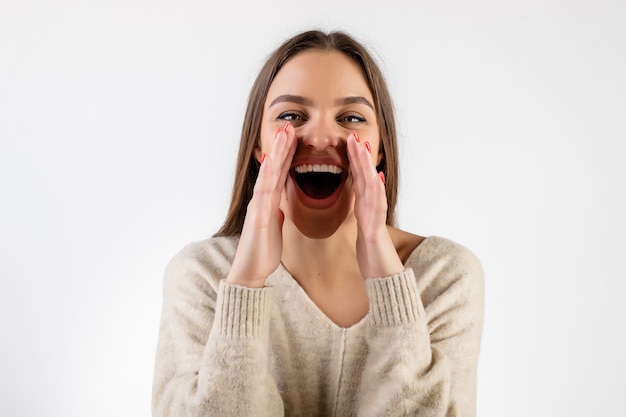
column 260, row 246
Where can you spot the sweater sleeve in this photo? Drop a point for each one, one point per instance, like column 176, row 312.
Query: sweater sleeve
column 212, row 353
column 423, row 338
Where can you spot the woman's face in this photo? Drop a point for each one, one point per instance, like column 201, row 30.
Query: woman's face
column 325, row 97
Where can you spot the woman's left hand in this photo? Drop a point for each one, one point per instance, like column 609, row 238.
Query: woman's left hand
column 376, row 253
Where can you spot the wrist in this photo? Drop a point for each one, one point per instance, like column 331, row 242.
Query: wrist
column 236, row 279
column 380, row 258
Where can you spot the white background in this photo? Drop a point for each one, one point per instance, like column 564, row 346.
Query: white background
column 119, row 124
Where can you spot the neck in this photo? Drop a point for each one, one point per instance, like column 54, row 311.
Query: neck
column 324, row 260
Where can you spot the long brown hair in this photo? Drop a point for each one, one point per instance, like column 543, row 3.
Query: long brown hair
column 247, row 165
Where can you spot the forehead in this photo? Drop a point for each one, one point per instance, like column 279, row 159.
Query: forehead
column 321, row 76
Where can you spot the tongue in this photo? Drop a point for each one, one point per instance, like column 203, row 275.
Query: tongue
column 318, row 185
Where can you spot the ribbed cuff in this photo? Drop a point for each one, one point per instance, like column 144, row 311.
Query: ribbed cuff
column 242, row 312
column 394, row 300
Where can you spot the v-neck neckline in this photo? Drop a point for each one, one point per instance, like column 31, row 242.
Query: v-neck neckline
column 284, row 276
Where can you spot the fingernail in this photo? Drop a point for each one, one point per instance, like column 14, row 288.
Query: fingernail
column 277, row 132
column 263, row 157
column 368, row 147
column 285, row 126
column 356, row 136
column 382, row 176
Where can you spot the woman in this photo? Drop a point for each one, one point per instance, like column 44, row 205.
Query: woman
column 308, row 302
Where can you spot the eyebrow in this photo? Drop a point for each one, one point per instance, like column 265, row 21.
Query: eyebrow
column 354, row 100
column 292, row 99
column 307, row 102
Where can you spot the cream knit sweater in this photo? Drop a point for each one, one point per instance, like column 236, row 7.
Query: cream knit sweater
column 226, row 350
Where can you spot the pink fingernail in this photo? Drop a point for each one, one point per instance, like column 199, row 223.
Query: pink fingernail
column 382, row 176
column 263, row 157
column 356, row 136
column 285, row 126
column 368, row 147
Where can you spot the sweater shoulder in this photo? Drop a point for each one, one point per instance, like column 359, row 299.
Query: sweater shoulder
column 200, row 265
column 441, row 265
column 435, row 249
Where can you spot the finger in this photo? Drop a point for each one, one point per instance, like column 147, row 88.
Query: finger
column 272, row 164
column 266, row 179
column 280, row 147
column 290, row 148
column 361, row 165
column 273, row 172
column 353, row 157
column 369, row 190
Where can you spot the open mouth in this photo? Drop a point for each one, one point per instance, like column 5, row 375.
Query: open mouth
column 319, row 181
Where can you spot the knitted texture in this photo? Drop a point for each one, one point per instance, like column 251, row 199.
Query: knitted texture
column 225, row 350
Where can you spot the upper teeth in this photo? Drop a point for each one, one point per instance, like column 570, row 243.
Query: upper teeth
column 333, row 169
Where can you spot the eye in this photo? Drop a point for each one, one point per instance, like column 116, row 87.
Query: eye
column 352, row 118
column 291, row 116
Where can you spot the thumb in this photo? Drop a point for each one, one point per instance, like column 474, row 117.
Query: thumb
column 280, row 218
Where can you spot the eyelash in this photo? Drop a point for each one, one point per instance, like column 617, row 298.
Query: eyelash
column 292, row 117
column 357, row 119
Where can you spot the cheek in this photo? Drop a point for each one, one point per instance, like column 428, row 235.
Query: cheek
column 377, row 154
column 264, row 145
column 376, row 157
column 268, row 133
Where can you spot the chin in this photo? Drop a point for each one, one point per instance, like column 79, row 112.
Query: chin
column 318, row 219
column 321, row 228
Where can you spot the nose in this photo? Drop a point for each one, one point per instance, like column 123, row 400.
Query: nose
column 321, row 134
